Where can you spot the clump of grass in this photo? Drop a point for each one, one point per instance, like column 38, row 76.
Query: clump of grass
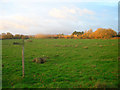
column 76, row 45
column 100, row 45
column 119, row 58
column 85, row 47
column 80, row 42
column 100, row 85
column 29, row 41
column 57, row 45
column 93, row 66
column 97, row 43
column 71, row 45
column 56, row 55
column 65, row 45
column 113, row 44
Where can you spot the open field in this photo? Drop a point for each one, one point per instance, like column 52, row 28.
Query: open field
column 72, row 63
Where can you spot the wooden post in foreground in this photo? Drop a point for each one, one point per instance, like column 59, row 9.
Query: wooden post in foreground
column 23, row 58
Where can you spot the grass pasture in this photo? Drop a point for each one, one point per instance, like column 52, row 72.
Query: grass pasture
column 72, row 63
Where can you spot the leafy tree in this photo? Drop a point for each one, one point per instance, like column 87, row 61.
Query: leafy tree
column 86, row 34
column 4, row 36
column 60, row 35
column 9, row 36
column 77, row 33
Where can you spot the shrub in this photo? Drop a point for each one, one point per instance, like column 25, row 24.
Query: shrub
column 40, row 59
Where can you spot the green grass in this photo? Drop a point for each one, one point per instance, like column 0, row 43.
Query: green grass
column 70, row 65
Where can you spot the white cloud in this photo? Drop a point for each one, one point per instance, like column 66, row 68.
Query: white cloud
column 63, row 20
column 6, row 24
column 69, row 13
column 57, row 13
column 63, row 12
column 86, row 11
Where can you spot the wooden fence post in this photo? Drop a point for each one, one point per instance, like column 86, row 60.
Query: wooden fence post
column 23, row 59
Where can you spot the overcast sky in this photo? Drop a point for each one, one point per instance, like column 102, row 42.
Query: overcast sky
column 57, row 16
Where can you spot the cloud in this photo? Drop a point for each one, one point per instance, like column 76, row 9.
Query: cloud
column 66, row 12
column 11, row 25
column 86, row 11
column 61, row 13
column 57, row 13
column 34, row 25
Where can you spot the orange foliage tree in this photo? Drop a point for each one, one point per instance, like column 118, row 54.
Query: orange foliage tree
column 86, row 35
column 103, row 33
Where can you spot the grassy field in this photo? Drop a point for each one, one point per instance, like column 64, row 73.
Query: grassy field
column 72, row 63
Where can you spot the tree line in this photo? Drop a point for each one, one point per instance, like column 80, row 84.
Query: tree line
column 100, row 33
column 11, row 36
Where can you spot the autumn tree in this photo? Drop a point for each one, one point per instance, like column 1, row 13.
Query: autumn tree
column 103, row 33
column 86, row 34
column 9, row 36
column 60, row 35
column 4, row 36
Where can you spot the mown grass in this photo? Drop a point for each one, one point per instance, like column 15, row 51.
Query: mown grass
column 72, row 63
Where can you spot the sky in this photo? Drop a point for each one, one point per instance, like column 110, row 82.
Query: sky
column 57, row 16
